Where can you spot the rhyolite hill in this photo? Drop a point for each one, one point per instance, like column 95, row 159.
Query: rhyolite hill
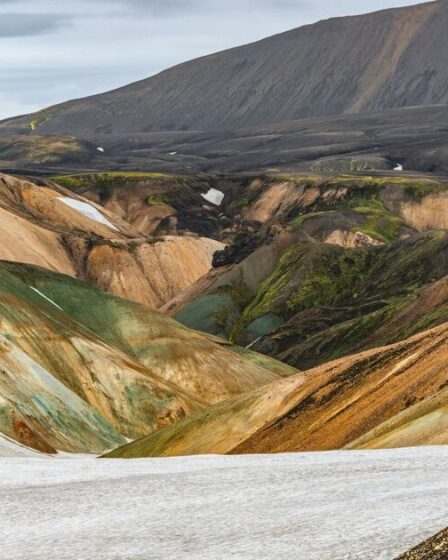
column 82, row 370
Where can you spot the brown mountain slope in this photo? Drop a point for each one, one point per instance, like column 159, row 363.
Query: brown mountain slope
column 398, row 391
column 392, row 58
column 39, row 227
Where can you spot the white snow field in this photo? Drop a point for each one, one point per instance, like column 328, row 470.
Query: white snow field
column 87, row 210
column 370, row 505
column 10, row 448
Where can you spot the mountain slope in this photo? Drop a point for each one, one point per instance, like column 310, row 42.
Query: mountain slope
column 81, row 369
column 388, row 59
column 308, row 291
column 47, row 225
column 340, row 404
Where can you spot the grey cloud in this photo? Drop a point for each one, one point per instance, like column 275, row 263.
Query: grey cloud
column 156, row 6
column 165, row 8
column 28, row 25
column 170, row 7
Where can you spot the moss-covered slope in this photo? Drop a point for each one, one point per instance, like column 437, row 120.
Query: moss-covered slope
column 296, row 216
column 335, row 301
column 345, row 263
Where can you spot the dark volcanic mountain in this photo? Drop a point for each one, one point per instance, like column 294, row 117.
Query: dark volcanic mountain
column 389, row 59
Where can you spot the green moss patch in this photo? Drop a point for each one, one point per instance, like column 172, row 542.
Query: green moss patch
column 210, row 313
column 157, row 199
column 379, row 223
column 106, row 180
column 265, row 324
column 44, row 149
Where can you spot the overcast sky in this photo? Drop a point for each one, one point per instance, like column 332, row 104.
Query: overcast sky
column 54, row 50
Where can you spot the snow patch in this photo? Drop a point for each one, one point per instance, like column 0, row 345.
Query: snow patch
column 214, row 197
column 100, row 149
column 398, row 167
column 173, row 153
column 87, row 210
column 45, row 297
column 10, row 448
column 252, row 344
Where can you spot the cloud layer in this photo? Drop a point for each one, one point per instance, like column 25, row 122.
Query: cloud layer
column 30, row 25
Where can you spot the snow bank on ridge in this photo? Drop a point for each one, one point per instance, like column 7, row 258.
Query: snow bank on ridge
column 88, row 211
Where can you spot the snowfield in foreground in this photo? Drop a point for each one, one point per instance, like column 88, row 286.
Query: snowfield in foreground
column 317, row 506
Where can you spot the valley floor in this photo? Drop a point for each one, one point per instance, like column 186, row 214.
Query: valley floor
column 317, row 506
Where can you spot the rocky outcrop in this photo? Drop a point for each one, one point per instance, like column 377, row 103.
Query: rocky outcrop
column 152, row 273
column 422, row 208
column 351, row 239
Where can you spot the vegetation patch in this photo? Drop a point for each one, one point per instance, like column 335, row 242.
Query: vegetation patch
column 106, row 180
column 44, row 149
column 379, row 223
column 297, row 223
column 423, row 189
column 309, row 275
column 42, row 117
column 157, row 199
